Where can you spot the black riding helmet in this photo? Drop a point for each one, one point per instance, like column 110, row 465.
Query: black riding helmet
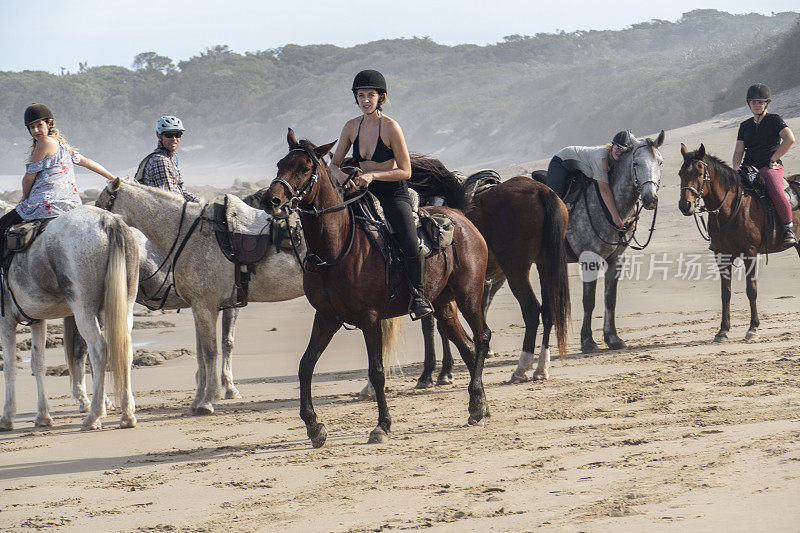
column 36, row 112
column 759, row 91
column 369, row 79
column 624, row 140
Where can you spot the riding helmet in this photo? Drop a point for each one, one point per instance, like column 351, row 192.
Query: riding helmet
column 624, row 140
column 169, row 123
column 369, row 79
column 759, row 91
column 36, row 112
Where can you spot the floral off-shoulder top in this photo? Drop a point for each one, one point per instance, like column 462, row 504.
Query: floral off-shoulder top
column 54, row 191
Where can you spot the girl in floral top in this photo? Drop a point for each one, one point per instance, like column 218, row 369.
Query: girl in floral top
column 48, row 187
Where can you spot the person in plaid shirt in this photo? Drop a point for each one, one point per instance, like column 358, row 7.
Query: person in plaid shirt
column 160, row 168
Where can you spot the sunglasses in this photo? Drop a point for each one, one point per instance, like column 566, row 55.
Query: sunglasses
column 171, row 134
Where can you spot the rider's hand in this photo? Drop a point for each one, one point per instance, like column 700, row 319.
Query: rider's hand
column 630, row 224
column 774, row 165
column 363, row 180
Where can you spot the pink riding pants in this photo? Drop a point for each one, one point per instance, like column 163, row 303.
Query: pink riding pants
column 773, row 178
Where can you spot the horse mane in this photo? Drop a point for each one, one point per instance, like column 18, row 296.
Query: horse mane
column 720, row 168
column 429, row 177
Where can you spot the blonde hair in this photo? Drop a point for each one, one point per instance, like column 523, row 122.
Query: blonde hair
column 53, row 132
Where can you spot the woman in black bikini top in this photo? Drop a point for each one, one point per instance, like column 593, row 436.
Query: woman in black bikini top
column 384, row 172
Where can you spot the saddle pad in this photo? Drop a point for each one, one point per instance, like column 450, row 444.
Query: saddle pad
column 245, row 220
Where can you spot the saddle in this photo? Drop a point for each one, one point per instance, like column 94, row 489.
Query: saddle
column 577, row 183
column 245, row 235
column 478, row 183
column 19, row 238
column 434, row 231
column 754, row 183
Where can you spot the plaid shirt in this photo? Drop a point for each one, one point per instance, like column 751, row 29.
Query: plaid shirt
column 162, row 171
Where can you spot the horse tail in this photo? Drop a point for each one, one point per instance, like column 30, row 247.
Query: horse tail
column 391, row 328
column 553, row 275
column 70, row 330
column 115, row 307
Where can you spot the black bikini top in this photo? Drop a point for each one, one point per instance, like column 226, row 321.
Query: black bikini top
column 381, row 154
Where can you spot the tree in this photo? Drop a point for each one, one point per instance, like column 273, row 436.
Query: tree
column 152, row 62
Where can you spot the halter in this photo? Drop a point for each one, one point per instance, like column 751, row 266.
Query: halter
column 698, row 194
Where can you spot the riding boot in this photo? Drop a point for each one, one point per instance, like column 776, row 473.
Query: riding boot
column 415, row 267
column 789, row 240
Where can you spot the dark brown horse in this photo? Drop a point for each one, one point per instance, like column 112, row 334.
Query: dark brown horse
column 347, row 282
column 523, row 222
column 739, row 225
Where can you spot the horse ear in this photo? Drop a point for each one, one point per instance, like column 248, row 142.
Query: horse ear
column 324, row 150
column 684, row 151
column 291, row 139
column 115, row 183
column 660, row 139
column 701, row 152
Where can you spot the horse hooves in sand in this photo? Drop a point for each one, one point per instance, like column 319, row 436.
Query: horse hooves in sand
column 378, row 436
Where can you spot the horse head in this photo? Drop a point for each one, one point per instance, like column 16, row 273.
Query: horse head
column 645, row 169
column 297, row 181
column 108, row 195
column 694, row 176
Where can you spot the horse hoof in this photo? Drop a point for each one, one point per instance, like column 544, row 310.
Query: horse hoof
column 518, row 378
column 490, row 353
column 423, row 384
column 751, row 336
column 127, row 422
column 233, row 394
column 377, row 436
column 43, row 421
column 477, row 421
column 617, row 344
column 203, row 410
column 721, row 336
column 83, row 407
column 445, row 380
column 90, row 424
column 541, row 375
column 109, row 404
column 6, row 424
column 589, row 347
column 319, row 436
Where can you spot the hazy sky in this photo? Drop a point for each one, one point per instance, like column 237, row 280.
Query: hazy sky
column 50, row 34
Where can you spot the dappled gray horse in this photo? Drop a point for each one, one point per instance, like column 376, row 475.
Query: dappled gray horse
column 591, row 236
column 85, row 263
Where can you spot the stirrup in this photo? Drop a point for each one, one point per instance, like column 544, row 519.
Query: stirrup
column 420, row 308
column 789, row 239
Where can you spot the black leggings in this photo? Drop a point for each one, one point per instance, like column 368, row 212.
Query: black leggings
column 557, row 176
column 397, row 208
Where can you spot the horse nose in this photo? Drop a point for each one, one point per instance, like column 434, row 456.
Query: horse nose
column 686, row 207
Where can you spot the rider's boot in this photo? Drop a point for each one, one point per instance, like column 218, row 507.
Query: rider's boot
column 415, row 267
column 789, row 239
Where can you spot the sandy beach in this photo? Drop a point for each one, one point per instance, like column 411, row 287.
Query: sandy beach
column 675, row 433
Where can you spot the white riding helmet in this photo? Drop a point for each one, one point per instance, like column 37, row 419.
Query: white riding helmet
column 169, row 123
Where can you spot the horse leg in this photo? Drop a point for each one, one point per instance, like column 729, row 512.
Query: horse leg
column 473, row 354
column 205, row 323
column 520, row 284
column 724, row 265
column 610, row 336
column 8, row 330
column 374, row 342
column 587, row 342
column 321, row 334
column 38, row 334
column 228, row 390
column 89, row 329
column 751, row 264
column 490, row 288
column 425, row 381
column 81, row 352
column 446, row 373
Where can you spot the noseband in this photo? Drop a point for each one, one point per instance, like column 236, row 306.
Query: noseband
column 639, row 187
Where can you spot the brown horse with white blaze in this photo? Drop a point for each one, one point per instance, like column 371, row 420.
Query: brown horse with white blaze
column 737, row 225
column 347, row 282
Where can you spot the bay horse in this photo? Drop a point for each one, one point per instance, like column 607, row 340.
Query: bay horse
column 86, row 264
column 203, row 276
column 346, row 281
column 523, row 222
column 737, row 225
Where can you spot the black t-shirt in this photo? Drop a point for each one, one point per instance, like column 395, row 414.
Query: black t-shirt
column 760, row 140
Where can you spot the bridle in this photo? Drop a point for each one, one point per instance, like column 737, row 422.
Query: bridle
column 296, row 198
column 699, row 193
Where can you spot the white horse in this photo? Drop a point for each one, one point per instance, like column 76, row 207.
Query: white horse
column 86, row 264
column 154, row 284
column 203, row 276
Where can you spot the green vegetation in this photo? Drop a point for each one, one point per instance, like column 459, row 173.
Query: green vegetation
column 517, row 100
